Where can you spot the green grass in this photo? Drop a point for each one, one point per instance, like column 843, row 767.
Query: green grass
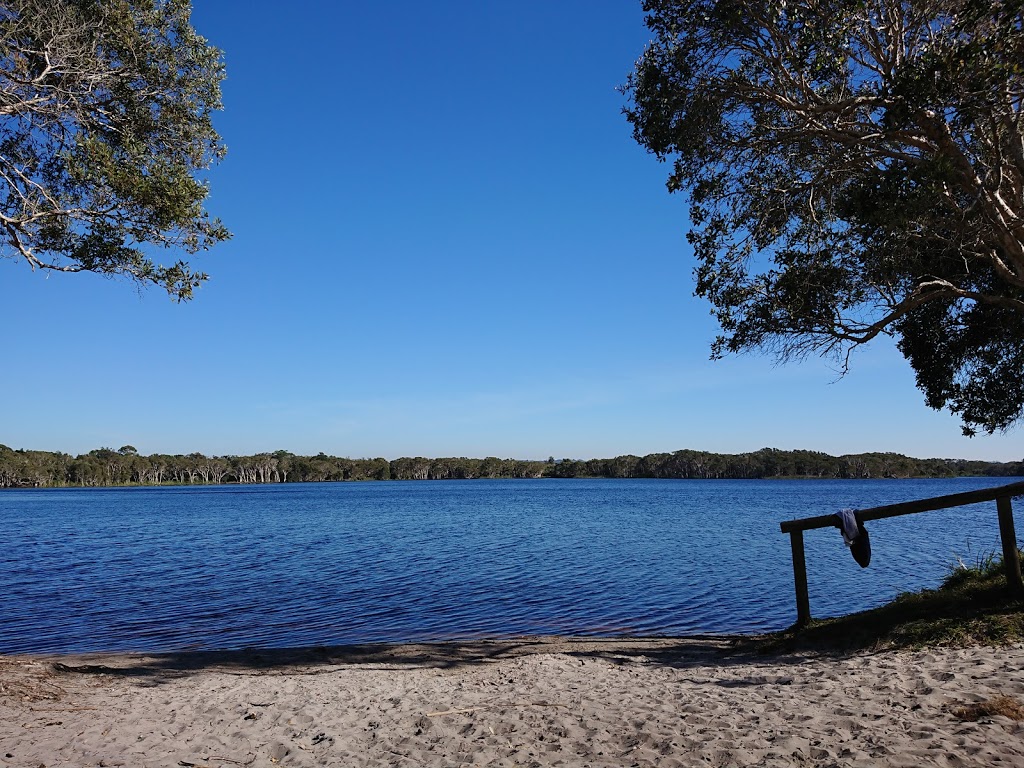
column 973, row 606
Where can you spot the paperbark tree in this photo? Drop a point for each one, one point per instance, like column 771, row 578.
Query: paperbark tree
column 105, row 128
column 855, row 168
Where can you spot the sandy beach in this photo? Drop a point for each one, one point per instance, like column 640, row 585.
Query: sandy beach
column 529, row 702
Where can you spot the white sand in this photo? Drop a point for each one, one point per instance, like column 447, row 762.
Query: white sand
column 519, row 703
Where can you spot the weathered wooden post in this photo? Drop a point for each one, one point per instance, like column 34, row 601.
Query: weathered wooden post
column 1001, row 495
column 1011, row 556
column 803, row 602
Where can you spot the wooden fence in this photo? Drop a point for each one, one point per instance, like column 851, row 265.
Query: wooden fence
column 1001, row 495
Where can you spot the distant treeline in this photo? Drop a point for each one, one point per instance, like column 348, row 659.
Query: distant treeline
column 107, row 467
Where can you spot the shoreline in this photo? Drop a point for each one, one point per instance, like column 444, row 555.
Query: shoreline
column 351, row 481
column 426, row 652
column 668, row 701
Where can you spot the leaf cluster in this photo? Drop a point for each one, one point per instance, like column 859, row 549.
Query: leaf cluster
column 105, row 130
column 855, row 168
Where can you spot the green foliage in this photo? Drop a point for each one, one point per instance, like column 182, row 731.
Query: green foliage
column 854, row 170
column 105, row 126
column 104, row 467
column 774, row 463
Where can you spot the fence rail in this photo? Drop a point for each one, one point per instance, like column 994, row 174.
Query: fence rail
column 1001, row 495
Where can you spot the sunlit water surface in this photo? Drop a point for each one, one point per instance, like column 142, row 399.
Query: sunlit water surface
column 160, row 569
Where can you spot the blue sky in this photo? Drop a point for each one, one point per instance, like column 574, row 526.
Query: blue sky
column 445, row 243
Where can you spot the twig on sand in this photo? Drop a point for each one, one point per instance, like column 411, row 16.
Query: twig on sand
column 466, row 710
column 400, row 756
column 213, row 759
column 62, row 709
column 219, row 759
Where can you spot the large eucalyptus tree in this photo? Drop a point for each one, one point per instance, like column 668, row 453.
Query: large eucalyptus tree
column 105, row 128
column 854, row 168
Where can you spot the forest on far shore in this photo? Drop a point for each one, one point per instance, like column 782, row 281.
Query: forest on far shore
column 125, row 466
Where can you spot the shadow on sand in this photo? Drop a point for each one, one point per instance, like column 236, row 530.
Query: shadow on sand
column 676, row 652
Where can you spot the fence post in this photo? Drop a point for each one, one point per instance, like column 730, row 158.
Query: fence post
column 1011, row 557
column 803, row 603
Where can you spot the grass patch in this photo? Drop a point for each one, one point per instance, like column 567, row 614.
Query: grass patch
column 973, row 606
column 1007, row 706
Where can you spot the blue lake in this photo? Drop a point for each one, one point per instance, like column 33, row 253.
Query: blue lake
column 161, row 569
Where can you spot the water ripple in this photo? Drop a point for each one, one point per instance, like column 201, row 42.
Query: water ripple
column 158, row 569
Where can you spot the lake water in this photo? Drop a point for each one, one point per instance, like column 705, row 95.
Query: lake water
column 161, row 569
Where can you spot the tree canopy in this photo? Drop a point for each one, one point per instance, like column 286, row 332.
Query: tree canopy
column 105, row 129
column 855, row 168
column 125, row 466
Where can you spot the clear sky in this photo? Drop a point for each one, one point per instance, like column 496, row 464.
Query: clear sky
column 445, row 243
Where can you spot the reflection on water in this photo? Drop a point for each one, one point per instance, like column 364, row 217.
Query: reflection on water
column 288, row 565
